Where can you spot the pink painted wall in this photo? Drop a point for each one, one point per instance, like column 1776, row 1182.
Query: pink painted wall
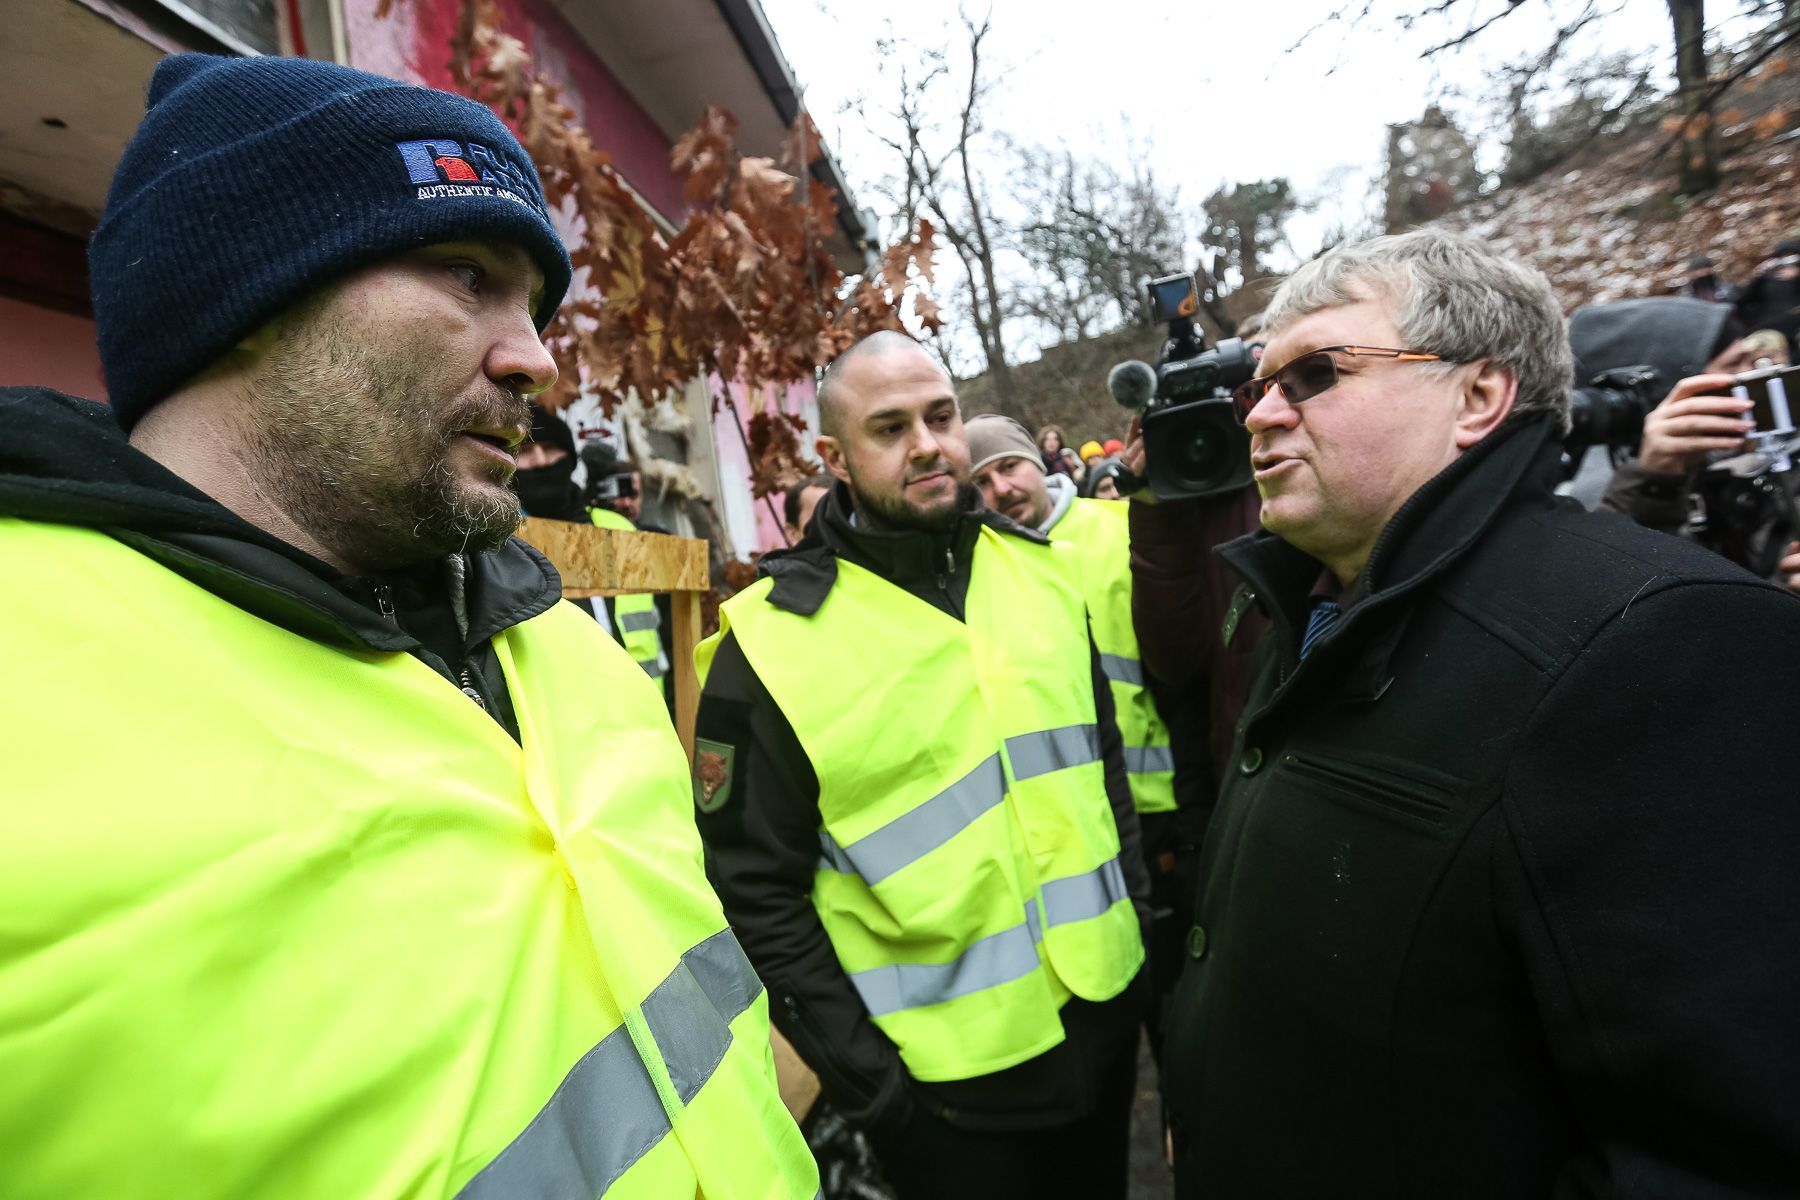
column 413, row 42
column 729, row 439
column 49, row 348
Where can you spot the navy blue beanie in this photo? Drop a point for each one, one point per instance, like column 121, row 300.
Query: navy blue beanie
column 253, row 181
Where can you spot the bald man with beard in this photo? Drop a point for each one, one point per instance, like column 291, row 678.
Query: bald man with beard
column 916, row 811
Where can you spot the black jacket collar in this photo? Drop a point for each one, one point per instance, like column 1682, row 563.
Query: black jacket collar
column 805, row 573
column 66, row 460
column 1434, row 528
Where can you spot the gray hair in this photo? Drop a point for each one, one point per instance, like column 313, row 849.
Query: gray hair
column 1456, row 298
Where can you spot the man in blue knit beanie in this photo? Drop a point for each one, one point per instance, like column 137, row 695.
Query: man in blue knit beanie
column 338, row 857
column 318, row 294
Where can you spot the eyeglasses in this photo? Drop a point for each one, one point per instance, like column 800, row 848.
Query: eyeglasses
column 1316, row 371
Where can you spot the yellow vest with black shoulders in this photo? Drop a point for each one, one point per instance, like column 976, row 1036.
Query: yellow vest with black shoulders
column 283, row 919
column 969, row 877
column 640, row 625
column 1099, row 532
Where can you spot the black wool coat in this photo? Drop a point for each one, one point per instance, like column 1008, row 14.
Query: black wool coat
column 1502, row 894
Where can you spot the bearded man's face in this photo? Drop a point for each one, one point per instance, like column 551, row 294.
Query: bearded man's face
column 385, row 410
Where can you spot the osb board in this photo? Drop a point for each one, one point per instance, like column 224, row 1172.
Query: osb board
column 610, row 562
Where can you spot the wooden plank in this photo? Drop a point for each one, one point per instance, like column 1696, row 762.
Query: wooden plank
column 684, row 614
column 613, row 562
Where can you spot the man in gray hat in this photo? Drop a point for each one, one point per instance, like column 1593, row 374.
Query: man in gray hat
column 1008, row 470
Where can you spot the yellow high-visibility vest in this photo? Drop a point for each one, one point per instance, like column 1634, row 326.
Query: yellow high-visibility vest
column 640, row 624
column 283, row 919
column 969, row 875
column 1100, row 533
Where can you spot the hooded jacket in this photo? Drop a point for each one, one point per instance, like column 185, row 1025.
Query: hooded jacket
column 763, row 846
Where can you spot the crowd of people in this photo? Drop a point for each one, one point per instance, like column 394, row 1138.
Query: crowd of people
column 1436, row 829
column 1094, row 469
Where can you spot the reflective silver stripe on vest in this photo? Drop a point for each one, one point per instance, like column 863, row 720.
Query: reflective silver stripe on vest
column 658, row 668
column 631, row 622
column 1083, row 897
column 1120, row 669
column 1147, row 760
column 915, row 833
column 998, row 958
column 605, row 1115
column 1034, row 754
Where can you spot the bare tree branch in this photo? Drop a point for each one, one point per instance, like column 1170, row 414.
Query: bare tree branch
column 1512, row 6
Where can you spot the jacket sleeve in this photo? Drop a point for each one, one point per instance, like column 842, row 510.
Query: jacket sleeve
column 1171, row 601
column 1648, row 879
column 1651, row 498
column 762, row 847
column 1180, row 589
column 1118, row 790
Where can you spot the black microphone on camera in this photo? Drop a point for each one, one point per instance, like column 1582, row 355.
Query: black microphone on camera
column 1132, row 383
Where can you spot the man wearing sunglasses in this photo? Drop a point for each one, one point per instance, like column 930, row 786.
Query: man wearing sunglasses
column 1497, row 900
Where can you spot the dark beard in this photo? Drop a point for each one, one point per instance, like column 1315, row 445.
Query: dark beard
column 899, row 516
column 353, row 443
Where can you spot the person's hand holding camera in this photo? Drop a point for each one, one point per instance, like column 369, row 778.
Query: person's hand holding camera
column 1135, row 462
column 1697, row 417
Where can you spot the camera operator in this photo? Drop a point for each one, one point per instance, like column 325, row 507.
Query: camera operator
column 1184, row 467
column 1181, row 596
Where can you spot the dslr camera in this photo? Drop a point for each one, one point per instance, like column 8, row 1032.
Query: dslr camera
column 1609, row 410
column 1193, row 446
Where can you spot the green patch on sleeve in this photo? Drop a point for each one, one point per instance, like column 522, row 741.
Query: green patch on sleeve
column 713, row 765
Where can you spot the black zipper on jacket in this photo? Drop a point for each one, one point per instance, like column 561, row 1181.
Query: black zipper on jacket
column 944, row 577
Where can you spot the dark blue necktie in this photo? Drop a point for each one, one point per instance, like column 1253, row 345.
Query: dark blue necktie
column 1319, row 622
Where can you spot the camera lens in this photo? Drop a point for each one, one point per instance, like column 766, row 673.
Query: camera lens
column 1202, row 456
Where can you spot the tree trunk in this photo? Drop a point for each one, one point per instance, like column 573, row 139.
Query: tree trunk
column 1699, row 146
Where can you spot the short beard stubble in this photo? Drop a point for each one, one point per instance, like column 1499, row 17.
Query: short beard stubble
column 352, row 438
column 898, row 514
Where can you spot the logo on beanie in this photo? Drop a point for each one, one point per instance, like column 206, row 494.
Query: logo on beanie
column 444, row 167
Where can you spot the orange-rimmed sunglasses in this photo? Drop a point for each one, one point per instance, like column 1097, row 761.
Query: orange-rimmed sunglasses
column 1315, row 371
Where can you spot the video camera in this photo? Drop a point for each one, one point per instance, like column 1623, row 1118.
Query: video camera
column 1193, row 445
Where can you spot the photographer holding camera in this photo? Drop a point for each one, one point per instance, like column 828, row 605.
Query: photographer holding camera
column 1666, row 485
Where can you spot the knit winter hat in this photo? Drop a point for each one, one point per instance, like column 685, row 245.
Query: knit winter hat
column 253, row 181
column 992, row 437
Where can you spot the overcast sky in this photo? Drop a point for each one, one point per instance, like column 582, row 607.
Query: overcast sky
column 1211, row 89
